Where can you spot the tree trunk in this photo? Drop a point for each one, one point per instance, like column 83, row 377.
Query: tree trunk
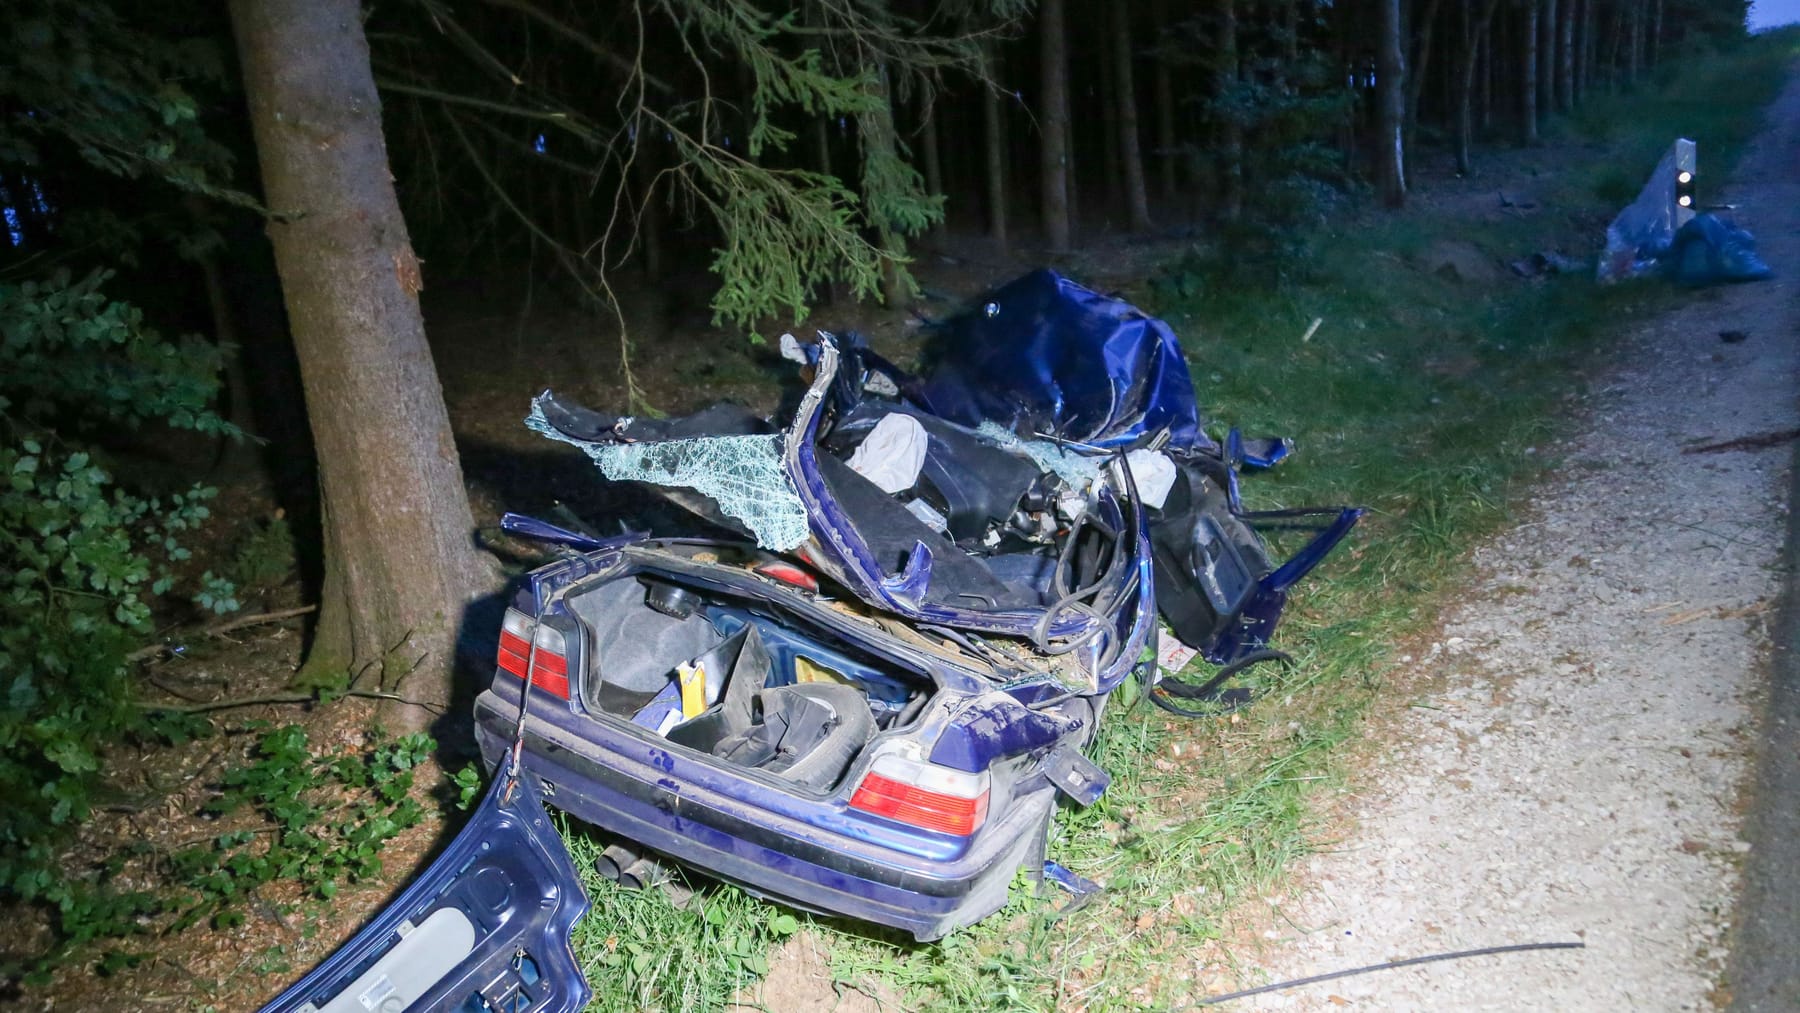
column 650, row 216
column 1474, row 35
column 934, row 166
column 400, row 563
column 1054, row 124
column 1528, row 77
column 1487, row 77
column 1584, row 50
column 1112, row 164
column 1231, row 131
column 880, row 141
column 1137, row 200
column 1390, row 89
column 1415, row 80
column 993, row 123
column 1565, row 56
column 1634, row 59
column 1656, row 25
column 1164, row 86
column 1546, row 58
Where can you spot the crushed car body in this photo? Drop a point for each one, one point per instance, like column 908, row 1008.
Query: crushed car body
column 867, row 701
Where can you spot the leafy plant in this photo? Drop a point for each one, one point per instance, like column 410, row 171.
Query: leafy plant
column 323, row 819
column 264, row 557
column 82, row 557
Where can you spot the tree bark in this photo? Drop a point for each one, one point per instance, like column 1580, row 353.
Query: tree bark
column 880, row 140
column 1528, row 76
column 1164, row 86
column 650, row 210
column 1137, row 199
column 1231, row 132
column 1474, row 35
column 1584, row 50
column 934, row 166
column 1634, row 59
column 1546, row 58
column 1112, row 165
column 1054, row 124
column 1390, row 89
column 993, row 123
column 1487, row 75
column 1415, row 79
column 1656, row 29
column 400, row 562
column 1565, row 56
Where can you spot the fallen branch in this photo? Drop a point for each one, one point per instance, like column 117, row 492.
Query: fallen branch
column 1754, row 442
column 220, row 629
column 286, row 698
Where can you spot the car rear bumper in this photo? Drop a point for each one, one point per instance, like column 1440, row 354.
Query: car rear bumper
column 607, row 777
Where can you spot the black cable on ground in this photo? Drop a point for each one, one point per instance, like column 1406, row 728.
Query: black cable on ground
column 1389, row 966
column 1224, row 701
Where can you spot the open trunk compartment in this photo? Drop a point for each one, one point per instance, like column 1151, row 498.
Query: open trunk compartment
column 737, row 678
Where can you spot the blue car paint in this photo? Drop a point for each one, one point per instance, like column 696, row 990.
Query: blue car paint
column 839, row 549
column 762, row 832
column 509, row 874
column 1049, row 355
column 994, row 726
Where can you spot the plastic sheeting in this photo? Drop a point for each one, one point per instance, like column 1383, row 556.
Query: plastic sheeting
column 1046, row 355
column 742, row 474
column 1643, row 232
column 1710, row 250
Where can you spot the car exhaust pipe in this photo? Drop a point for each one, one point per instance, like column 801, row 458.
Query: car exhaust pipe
column 614, row 861
column 648, row 873
column 642, row 874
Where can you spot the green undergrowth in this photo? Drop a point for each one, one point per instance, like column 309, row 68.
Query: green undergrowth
column 1429, row 398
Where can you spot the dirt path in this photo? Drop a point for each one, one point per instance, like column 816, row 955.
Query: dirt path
column 1572, row 765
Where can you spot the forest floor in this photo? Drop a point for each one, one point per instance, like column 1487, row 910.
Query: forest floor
column 1558, row 756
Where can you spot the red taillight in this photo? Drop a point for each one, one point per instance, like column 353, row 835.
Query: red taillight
column 789, row 574
column 923, row 795
column 550, row 668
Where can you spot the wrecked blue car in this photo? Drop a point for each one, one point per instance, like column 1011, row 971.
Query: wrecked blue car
column 864, row 692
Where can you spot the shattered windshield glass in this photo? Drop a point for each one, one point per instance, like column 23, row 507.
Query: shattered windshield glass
column 742, row 474
column 1075, row 469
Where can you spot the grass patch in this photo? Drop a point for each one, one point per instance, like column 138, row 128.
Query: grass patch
column 1424, row 397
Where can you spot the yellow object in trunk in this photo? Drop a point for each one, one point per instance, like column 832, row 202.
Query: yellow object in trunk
column 693, row 689
column 808, row 670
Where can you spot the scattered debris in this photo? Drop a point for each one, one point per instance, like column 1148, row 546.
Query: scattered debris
column 1660, row 233
column 1547, row 262
column 1757, row 441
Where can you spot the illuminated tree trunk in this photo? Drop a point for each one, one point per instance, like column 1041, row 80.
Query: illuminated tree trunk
column 1390, row 97
column 400, row 561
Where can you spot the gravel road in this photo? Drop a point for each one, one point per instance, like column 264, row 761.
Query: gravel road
column 1578, row 773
